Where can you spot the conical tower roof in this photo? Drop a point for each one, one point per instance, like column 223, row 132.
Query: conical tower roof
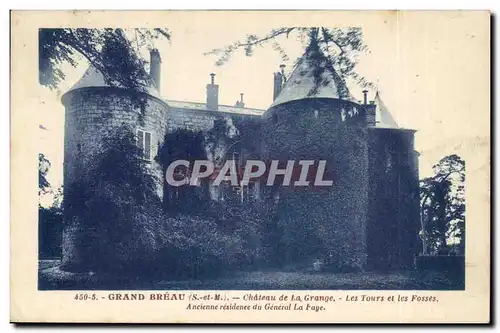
column 313, row 77
column 383, row 117
column 94, row 78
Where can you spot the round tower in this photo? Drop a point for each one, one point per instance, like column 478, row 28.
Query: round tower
column 368, row 218
column 314, row 118
column 94, row 110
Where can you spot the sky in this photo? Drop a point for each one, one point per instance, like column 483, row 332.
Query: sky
column 421, row 72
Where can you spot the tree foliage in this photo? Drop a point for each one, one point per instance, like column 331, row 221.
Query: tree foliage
column 49, row 218
column 114, row 52
column 443, row 205
column 43, row 169
column 340, row 47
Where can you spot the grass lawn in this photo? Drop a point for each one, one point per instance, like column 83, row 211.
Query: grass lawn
column 52, row 278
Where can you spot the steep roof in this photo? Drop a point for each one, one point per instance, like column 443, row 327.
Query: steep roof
column 313, row 77
column 94, row 78
column 383, row 117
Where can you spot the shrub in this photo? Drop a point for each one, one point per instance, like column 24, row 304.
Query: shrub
column 114, row 208
column 49, row 232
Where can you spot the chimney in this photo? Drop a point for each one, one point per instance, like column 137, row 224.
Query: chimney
column 279, row 81
column 365, row 97
column 212, row 94
column 155, row 68
column 240, row 103
column 371, row 111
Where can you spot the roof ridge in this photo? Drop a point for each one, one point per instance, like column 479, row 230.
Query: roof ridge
column 385, row 116
column 204, row 103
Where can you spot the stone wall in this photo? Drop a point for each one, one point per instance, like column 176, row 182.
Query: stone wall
column 330, row 222
column 369, row 218
column 242, row 136
column 93, row 113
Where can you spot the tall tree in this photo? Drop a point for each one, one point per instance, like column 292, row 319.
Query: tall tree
column 443, row 205
column 340, row 47
column 114, row 52
column 49, row 218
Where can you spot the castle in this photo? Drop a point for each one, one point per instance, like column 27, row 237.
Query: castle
column 373, row 209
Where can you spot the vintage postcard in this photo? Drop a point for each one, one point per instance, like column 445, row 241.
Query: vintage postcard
column 250, row 166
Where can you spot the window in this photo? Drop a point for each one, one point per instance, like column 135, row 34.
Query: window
column 240, row 193
column 144, row 143
column 236, row 159
column 390, row 158
column 189, row 125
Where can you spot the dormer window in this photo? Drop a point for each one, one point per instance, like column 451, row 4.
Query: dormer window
column 144, row 143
